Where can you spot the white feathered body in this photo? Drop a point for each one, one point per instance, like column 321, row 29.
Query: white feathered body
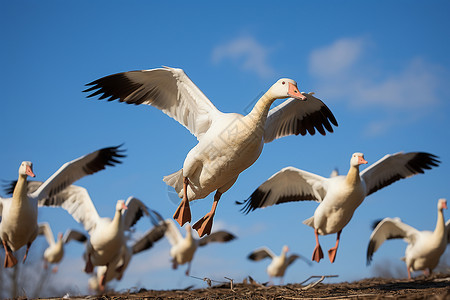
column 183, row 252
column 337, row 208
column 278, row 266
column 54, row 253
column 105, row 241
column 425, row 252
column 217, row 160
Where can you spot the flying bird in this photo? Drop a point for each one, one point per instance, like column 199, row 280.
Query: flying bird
column 19, row 213
column 228, row 143
column 424, row 249
column 279, row 264
column 338, row 196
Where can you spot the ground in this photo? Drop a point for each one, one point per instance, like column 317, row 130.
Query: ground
column 432, row 287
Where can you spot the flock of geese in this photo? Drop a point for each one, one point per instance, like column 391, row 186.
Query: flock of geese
column 228, row 143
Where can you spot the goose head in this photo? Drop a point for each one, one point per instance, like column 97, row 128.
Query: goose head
column 60, row 237
column 285, row 249
column 357, row 159
column 120, row 206
column 442, row 204
column 26, row 169
column 285, row 88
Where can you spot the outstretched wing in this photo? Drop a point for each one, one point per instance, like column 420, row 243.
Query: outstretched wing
column 288, row 184
column 76, row 169
column 393, row 167
column 387, row 229
column 167, row 89
column 136, row 209
column 218, row 236
column 295, row 116
column 261, row 253
column 46, row 230
column 149, row 238
column 74, row 235
column 172, row 233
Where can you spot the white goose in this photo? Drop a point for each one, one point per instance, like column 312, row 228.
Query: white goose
column 120, row 265
column 19, row 225
column 183, row 249
column 338, row 196
column 424, row 247
column 228, row 143
column 279, row 264
column 55, row 251
column 106, row 236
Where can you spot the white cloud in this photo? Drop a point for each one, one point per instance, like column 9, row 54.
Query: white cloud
column 246, row 51
column 345, row 72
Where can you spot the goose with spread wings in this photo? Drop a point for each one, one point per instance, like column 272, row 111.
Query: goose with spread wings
column 19, row 226
column 228, row 143
column 55, row 251
column 183, row 249
column 424, row 249
column 338, row 196
column 279, row 264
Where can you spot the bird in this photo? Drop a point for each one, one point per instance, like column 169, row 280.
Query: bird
column 338, row 196
column 55, row 251
column 19, row 226
column 228, row 143
column 424, row 247
column 279, row 264
column 127, row 252
column 183, row 249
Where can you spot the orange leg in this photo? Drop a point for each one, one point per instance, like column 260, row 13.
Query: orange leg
column 317, row 253
column 204, row 225
column 183, row 212
column 10, row 260
column 332, row 251
column 409, row 272
column 26, row 252
column 103, row 280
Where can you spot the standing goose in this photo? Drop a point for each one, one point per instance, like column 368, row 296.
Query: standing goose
column 19, row 225
column 55, row 251
column 424, row 247
column 120, row 265
column 228, row 143
column 338, row 196
column 183, row 249
column 279, row 264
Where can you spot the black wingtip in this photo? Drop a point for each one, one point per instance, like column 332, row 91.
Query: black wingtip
column 375, row 223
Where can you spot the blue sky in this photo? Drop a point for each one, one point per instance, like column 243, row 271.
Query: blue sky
column 381, row 66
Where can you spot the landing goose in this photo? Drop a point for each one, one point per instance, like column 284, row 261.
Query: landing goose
column 279, row 264
column 338, row 196
column 228, row 143
column 424, row 247
column 183, row 249
column 127, row 251
column 19, row 225
column 55, row 251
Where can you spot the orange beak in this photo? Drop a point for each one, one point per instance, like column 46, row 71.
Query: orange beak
column 444, row 206
column 124, row 206
column 293, row 92
column 29, row 172
column 361, row 160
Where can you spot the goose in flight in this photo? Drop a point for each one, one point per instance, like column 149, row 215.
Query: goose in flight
column 424, row 247
column 19, row 213
column 338, row 196
column 183, row 249
column 228, row 143
column 55, row 251
column 279, row 264
column 127, row 252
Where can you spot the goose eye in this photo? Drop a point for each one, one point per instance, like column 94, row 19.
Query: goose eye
column 283, row 82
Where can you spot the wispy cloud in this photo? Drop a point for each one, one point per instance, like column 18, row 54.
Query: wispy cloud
column 346, row 72
column 247, row 52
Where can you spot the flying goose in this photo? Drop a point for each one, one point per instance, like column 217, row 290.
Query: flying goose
column 55, row 251
column 424, row 247
column 228, row 143
column 19, row 225
column 279, row 264
column 338, row 196
column 183, row 249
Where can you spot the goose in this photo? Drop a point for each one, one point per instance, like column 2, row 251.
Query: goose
column 19, row 226
column 424, row 247
column 127, row 252
column 228, row 143
column 279, row 264
column 338, row 196
column 183, row 249
column 55, row 251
